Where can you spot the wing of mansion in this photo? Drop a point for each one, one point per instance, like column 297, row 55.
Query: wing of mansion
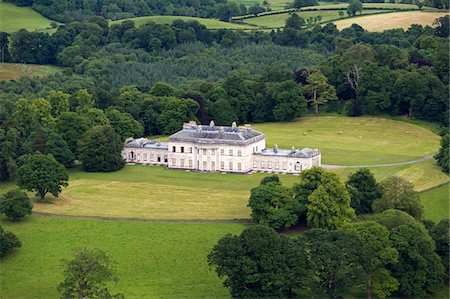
column 219, row 149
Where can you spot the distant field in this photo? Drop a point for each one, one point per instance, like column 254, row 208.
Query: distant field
column 14, row 18
column 209, row 23
column 274, row 4
column 154, row 260
column 9, row 71
column 365, row 5
column 393, row 20
column 436, row 203
column 364, row 140
column 279, row 20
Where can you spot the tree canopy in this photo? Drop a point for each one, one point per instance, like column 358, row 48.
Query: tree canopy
column 15, row 204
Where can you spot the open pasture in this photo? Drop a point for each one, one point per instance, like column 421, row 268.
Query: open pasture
column 328, row 5
column 14, row 18
column 10, row 71
column 153, row 260
column 436, row 203
column 364, row 140
column 274, row 4
column 209, row 23
column 279, row 20
column 383, row 22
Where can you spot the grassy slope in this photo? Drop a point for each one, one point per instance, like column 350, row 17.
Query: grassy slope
column 13, row 18
column 279, row 20
column 209, row 23
column 394, row 20
column 154, row 260
column 365, row 5
column 274, row 4
column 436, row 203
column 365, row 140
column 9, row 71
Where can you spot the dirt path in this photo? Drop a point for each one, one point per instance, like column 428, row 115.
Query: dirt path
column 326, row 166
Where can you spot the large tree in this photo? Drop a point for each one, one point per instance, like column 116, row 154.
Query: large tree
column 441, row 236
column 353, row 7
column 310, row 179
column 273, row 204
column 100, row 149
column 442, row 156
column 363, row 189
column 71, row 126
column 373, row 255
column 399, row 194
column 329, row 205
column 41, row 173
column 8, row 241
column 318, row 90
column 87, row 275
column 259, row 263
column 15, row 204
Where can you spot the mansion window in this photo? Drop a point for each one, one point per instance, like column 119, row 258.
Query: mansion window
column 230, row 152
column 239, row 153
column 239, row 166
column 131, row 155
column 190, row 163
column 222, row 152
column 230, row 165
column 284, row 165
column 165, row 158
column 213, row 152
column 213, row 166
column 152, row 157
column 262, row 165
column 145, row 157
column 138, row 157
column 182, row 149
column 174, row 162
column 222, row 165
column 159, row 159
column 204, row 165
column 269, row 165
column 182, row 162
column 277, row 165
column 190, row 150
column 204, row 151
column 255, row 164
column 174, row 149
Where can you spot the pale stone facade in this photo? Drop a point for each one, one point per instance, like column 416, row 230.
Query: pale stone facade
column 219, row 149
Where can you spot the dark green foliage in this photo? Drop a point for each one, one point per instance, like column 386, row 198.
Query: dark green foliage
column 71, row 127
column 332, row 260
column 124, row 124
column 32, row 47
column 354, row 6
column 303, row 3
column 162, row 89
column 273, row 205
column 270, row 179
column 259, row 264
column 309, row 181
column 295, row 22
column 8, row 241
column 175, row 112
column 419, row 269
column 363, row 189
column 15, row 204
column 4, row 47
column 442, row 28
column 59, row 148
column 442, row 156
column 393, row 218
column 288, row 100
column 41, row 173
column 399, row 194
column 87, row 275
column 100, row 150
column 441, row 236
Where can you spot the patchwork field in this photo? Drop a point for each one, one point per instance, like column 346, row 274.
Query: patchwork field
column 14, row 18
column 393, row 20
column 10, row 71
column 274, row 4
column 209, row 23
column 364, row 140
column 436, row 203
column 279, row 20
column 154, row 260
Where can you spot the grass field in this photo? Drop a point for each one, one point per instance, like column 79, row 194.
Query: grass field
column 365, row 140
column 9, row 71
column 329, row 5
column 14, row 18
column 436, row 203
column 274, row 4
column 279, row 20
column 209, row 23
column 154, row 260
column 393, row 20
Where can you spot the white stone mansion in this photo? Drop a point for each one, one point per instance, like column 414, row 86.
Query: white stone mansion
column 219, row 149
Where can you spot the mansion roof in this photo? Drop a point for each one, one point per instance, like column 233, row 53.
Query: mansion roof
column 300, row 153
column 212, row 134
column 147, row 143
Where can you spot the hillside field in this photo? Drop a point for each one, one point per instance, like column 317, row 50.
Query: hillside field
column 209, row 23
column 274, row 4
column 14, row 18
column 10, row 71
column 154, row 260
column 383, row 22
column 436, row 203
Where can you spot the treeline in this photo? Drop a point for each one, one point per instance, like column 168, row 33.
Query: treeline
column 389, row 250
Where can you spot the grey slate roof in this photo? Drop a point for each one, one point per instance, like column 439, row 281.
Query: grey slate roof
column 216, row 134
column 144, row 142
column 303, row 153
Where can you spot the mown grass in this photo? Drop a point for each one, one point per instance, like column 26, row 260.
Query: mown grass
column 14, row 18
column 10, row 71
column 154, row 260
column 274, row 4
column 209, row 23
column 364, row 140
column 329, row 5
column 279, row 20
column 436, row 203
column 383, row 22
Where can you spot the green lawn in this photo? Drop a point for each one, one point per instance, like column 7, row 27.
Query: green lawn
column 364, row 140
column 14, row 18
column 9, row 71
column 274, row 4
column 329, row 5
column 279, row 20
column 154, row 260
column 209, row 23
column 436, row 203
